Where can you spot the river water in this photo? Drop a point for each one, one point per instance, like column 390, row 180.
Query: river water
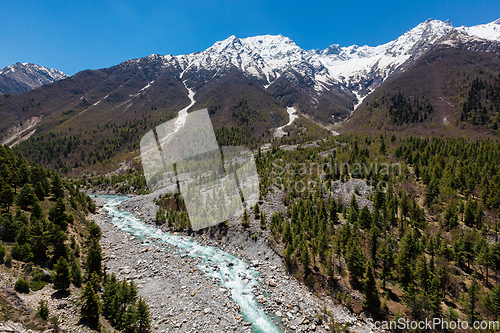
column 230, row 271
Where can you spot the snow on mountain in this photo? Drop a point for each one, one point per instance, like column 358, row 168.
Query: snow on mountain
column 267, row 57
column 22, row 77
column 355, row 69
column 489, row 31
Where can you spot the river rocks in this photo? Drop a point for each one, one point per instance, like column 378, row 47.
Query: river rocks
column 181, row 298
column 184, row 299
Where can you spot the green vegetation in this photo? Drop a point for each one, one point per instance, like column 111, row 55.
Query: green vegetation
column 432, row 225
column 482, row 102
column 22, row 286
column 402, row 109
column 121, row 305
column 43, row 223
column 43, row 310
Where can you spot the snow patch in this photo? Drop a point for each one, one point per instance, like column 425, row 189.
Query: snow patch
column 279, row 132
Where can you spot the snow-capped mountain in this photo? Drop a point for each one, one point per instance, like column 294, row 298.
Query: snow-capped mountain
column 23, row 77
column 490, row 31
column 354, row 69
column 246, row 83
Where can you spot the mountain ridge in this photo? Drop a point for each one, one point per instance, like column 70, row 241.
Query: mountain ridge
column 246, row 85
column 23, row 77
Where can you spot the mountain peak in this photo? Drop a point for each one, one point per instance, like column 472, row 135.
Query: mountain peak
column 490, row 31
column 23, row 77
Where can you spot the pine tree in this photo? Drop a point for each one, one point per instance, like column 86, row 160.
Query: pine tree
column 94, row 259
column 365, row 218
column 382, row 146
column 39, row 191
column 263, row 221
column 57, row 187
column 61, row 278
column 58, row 216
column 493, row 301
column 143, row 316
column 422, row 273
column 431, row 193
column 472, row 299
column 26, row 197
column 91, row 307
column 76, row 272
column 355, row 260
column 246, row 219
column 304, row 255
column 353, row 210
column 371, row 300
column 7, row 196
column 386, row 256
column 110, row 302
column 2, row 253
column 256, row 210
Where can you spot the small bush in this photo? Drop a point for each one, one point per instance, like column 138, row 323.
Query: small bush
column 22, row 286
column 36, row 285
column 8, row 260
column 2, row 253
column 43, row 310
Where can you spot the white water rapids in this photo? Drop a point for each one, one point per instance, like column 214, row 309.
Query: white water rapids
column 229, row 270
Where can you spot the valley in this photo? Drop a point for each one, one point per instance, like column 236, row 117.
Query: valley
column 377, row 198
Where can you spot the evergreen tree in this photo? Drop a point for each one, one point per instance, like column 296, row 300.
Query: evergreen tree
column 26, row 197
column 61, row 278
column 422, row 273
column 365, row 218
column 143, row 316
column 94, row 259
column 91, row 307
column 110, row 294
column 355, row 260
column 76, row 272
column 39, row 191
column 371, row 300
column 353, row 210
column 386, row 256
column 7, row 196
column 246, row 219
column 263, row 221
column 2, row 253
column 58, row 216
column 57, row 187
column 493, row 301
column 256, row 210
column 431, row 193
column 472, row 299
column 382, row 146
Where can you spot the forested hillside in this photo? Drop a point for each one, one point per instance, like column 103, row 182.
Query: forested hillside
column 424, row 245
column 417, row 235
column 48, row 242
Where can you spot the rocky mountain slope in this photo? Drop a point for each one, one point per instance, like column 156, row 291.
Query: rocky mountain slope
column 245, row 84
column 23, row 77
column 451, row 90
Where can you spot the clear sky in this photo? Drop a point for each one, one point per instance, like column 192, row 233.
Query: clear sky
column 77, row 35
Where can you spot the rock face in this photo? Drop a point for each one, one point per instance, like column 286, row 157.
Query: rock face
column 23, row 77
column 10, row 327
column 12, row 297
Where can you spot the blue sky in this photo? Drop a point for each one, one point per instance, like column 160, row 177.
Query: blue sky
column 74, row 35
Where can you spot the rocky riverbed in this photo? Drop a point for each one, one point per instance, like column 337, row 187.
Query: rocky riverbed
column 183, row 298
